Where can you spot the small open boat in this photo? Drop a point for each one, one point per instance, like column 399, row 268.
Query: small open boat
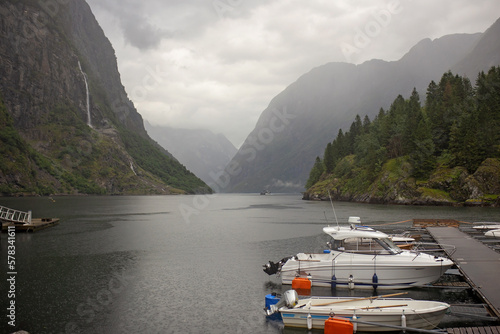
column 383, row 314
column 486, row 226
column 493, row 233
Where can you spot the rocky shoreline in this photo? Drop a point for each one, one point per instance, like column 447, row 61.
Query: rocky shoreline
column 445, row 187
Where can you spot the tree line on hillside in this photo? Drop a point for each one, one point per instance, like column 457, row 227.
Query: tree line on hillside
column 459, row 126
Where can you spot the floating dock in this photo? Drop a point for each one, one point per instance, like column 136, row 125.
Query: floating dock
column 479, row 264
column 22, row 221
column 36, row 224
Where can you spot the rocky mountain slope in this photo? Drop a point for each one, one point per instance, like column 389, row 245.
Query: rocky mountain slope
column 301, row 120
column 72, row 127
column 201, row 151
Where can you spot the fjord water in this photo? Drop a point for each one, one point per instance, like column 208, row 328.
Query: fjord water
column 173, row 264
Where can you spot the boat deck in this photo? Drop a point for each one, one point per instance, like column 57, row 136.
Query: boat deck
column 477, row 262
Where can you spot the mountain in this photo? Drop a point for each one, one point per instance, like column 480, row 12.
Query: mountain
column 67, row 124
column 201, row 151
column 484, row 55
column 302, row 119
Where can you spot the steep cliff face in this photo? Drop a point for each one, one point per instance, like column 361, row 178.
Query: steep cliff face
column 62, row 93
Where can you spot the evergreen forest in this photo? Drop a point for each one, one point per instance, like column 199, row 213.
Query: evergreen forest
column 435, row 145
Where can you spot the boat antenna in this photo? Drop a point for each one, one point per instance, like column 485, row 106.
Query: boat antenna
column 326, row 219
column 333, row 208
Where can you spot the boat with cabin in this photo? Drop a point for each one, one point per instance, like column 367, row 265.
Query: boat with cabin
column 363, row 258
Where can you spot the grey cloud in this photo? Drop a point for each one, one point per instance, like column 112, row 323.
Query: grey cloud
column 141, row 34
column 226, row 63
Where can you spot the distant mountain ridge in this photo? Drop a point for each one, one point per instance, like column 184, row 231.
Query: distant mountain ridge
column 50, row 55
column 201, row 151
column 327, row 99
column 484, row 55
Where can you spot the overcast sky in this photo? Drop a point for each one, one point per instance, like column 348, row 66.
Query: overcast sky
column 216, row 64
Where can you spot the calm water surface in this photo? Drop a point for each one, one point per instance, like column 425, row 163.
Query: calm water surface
column 174, row 264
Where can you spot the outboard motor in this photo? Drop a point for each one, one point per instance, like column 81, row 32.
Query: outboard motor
column 272, row 268
column 289, row 299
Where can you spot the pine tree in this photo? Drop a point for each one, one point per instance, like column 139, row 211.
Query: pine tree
column 422, row 156
column 412, row 120
column 315, row 173
column 329, row 158
column 488, row 104
column 350, row 137
column 444, row 104
column 464, row 142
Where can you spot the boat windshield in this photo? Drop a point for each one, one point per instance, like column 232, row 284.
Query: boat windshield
column 366, row 246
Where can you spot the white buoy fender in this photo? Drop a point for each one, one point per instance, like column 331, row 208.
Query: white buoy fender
column 351, row 282
column 309, row 322
column 403, row 321
column 354, row 323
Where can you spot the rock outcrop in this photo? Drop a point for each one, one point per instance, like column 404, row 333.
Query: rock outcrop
column 446, row 186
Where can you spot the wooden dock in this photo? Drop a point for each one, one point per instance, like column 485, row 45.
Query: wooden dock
column 474, row 330
column 36, row 224
column 22, row 220
column 435, row 222
column 477, row 262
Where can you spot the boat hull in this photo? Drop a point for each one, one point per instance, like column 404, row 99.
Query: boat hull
column 399, row 271
column 493, row 233
column 417, row 314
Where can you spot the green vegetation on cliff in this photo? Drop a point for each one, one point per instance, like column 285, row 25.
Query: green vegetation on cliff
column 46, row 144
column 446, row 152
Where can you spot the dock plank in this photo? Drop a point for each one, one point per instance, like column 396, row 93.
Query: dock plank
column 474, row 330
column 479, row 263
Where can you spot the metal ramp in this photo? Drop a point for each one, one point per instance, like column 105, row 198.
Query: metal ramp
column 14, row 216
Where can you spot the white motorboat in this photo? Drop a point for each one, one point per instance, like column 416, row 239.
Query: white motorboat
column 487, row 226
column 383, row 314
column 361, row 257
column 403, row 240
column 493, row 233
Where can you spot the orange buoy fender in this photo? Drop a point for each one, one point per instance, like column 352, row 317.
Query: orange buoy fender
column 338, row 326
column 301, row 283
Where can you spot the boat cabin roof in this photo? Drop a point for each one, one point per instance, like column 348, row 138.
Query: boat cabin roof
column 353, row 231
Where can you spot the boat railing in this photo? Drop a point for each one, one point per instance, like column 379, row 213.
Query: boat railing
column 433, row 247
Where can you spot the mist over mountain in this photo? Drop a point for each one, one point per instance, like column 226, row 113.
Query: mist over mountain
column 201, row 151
column 484, row 55
column 299, row 122
column 66, row 123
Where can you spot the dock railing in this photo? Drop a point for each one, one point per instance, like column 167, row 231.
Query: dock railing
column 14, row 216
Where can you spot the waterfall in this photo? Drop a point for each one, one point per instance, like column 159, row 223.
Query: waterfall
column 89, row 120
column 132, row 168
